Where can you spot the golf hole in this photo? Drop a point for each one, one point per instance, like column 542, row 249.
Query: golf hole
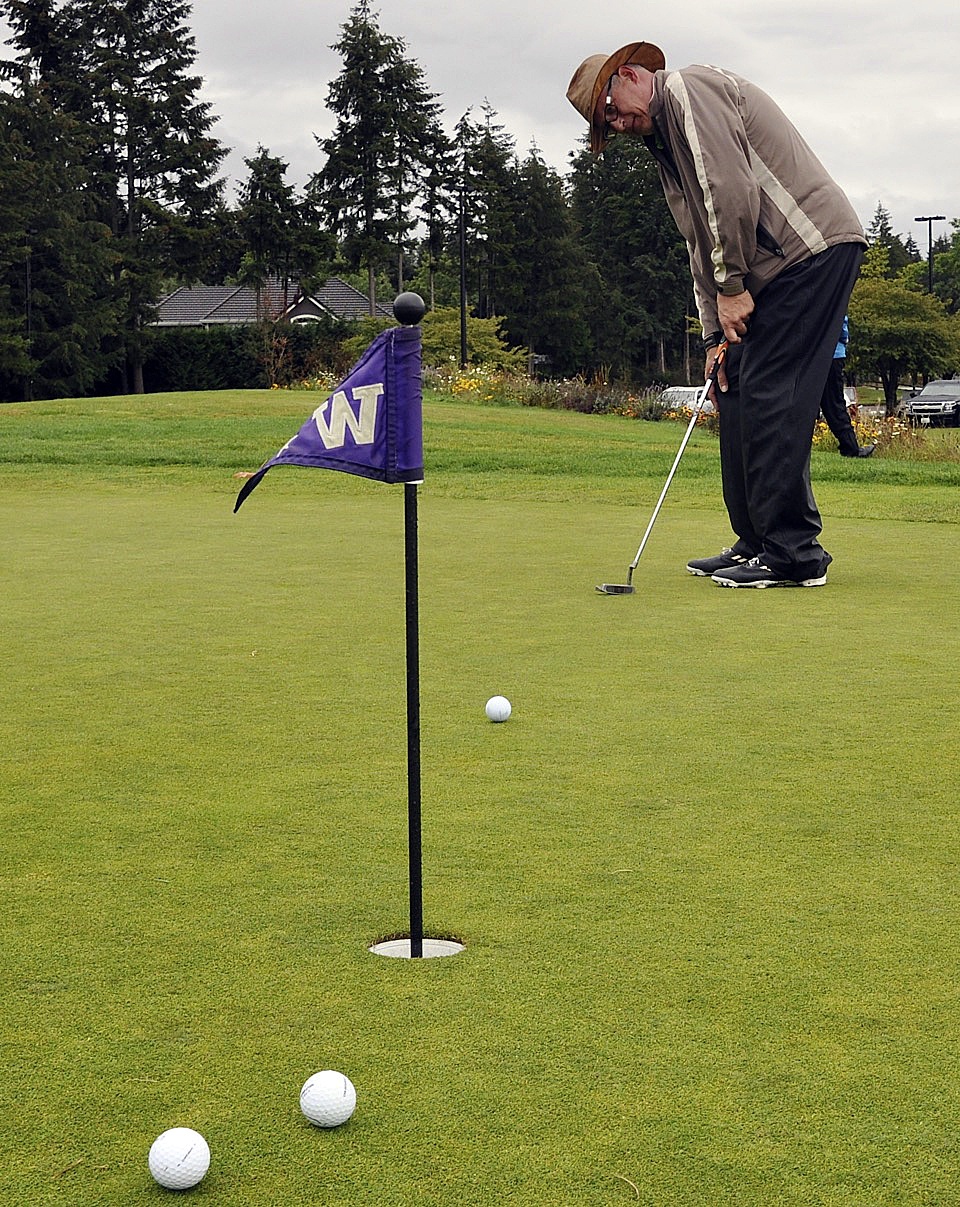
column 397, row 947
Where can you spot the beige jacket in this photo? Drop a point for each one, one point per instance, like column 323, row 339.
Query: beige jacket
column 747, row 193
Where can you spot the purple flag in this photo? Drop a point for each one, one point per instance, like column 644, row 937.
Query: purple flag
column 371, row 425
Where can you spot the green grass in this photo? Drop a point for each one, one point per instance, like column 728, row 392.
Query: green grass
column 707, row 874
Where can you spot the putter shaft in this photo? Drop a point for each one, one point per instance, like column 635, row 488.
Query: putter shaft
column 628, row 588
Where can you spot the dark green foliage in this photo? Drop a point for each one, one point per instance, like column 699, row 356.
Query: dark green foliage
column 641, row 268
column 279, row 230
column 157, row 160
column 387, row 136
column 548, row 312
column 896, row 330
column 109, row 198
column 946, row 271
column 55, row 315
column 143, row 157
column 880, row 233
column 235, row 357
column 492, row 204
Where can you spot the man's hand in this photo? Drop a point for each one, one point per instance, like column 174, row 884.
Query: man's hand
column 734, row 310
column 721, row 382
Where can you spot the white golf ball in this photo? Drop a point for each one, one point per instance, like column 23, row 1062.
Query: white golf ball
column 498, row 708
column 179, row 1158
column 328, row 1098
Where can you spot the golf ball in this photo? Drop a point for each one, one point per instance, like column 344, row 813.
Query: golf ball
column 179, row 1158
column 328, row 1098
column 498, row 708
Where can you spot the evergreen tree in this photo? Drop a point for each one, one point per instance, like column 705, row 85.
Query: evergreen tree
column 547, row 316
column 880, row 233
column 152, row 159
column 638, row 309
column 273, row 225
column 946, row 271
column 55, row 258
column 420, row 148
column 489, row 180
column 387, row 127
column 437, row 209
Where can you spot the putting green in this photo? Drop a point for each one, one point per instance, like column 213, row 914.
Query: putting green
column 706, row 874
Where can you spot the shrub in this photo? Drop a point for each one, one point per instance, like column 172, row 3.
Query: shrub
column 441, row 340
column 241, row 357
column 594, row 397
column 894, row 438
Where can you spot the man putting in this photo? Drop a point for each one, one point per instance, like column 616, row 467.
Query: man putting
column 775, row 247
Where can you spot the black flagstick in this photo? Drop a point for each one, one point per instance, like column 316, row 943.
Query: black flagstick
column 409, row 309
column 413, row 721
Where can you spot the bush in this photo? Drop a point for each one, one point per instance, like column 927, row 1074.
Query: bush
column 441, row 340
column 246, row 357
column 596, row 397
column 895, row 439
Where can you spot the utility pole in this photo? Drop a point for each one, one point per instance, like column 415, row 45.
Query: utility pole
column 463, row 276
column 930, row 219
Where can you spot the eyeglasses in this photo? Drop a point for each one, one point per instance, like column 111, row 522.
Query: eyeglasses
column 610, row 111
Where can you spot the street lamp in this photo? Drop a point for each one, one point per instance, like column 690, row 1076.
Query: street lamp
column 465, row 188
column 930, row 219
column 463, row 277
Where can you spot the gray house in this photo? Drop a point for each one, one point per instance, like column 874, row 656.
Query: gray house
column 212, row 305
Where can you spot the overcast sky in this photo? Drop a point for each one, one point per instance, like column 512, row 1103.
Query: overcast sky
column 871, row 84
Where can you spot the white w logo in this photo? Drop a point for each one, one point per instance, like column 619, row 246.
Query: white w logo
column 333, row 431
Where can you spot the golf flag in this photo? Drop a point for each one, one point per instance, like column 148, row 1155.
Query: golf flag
column 372, row 423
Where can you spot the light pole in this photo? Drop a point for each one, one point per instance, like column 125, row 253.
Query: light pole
column 930, row 219
column 463, row 277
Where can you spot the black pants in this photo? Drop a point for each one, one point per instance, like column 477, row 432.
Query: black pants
column 833, row 405
column 768, row 413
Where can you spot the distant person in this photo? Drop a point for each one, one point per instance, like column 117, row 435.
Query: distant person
column 775, row 248
column 833, row 404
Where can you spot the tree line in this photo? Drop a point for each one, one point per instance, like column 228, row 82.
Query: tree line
column 110, row 197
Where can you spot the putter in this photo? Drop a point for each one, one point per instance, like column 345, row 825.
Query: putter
column 628, row 588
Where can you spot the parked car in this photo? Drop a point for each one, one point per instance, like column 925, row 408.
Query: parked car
column 675, row 398
column 937, row 404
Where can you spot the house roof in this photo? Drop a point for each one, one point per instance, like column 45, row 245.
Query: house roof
column 341, row 299
column 205, row 305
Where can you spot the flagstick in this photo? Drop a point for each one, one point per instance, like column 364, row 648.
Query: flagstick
column 413, row 720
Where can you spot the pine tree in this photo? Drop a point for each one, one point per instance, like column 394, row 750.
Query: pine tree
column 152, row 159
column 420, row 148
column 279, row 232
column 880, row 233
column 386, row 132
column 56, row 316
column 489, row 178
column 267, row 218
column 438, row 204
column 638, row 314
column 547, row 315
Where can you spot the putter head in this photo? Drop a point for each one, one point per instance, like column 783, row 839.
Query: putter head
column 616, row 588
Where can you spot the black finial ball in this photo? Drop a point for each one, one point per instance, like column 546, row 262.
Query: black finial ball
column 409, row 309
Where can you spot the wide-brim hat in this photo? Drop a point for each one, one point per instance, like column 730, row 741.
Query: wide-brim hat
column 590, row 79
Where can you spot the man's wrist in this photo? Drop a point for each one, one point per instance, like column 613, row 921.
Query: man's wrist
column 713, row 340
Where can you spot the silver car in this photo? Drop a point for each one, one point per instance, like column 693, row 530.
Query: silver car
column 675, row 398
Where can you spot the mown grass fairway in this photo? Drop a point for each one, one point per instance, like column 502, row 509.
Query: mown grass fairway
column 708, row 874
